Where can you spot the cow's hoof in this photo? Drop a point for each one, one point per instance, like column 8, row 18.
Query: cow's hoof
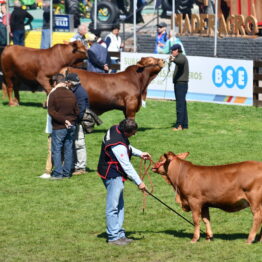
column 249, row 242
column 13, row 104
column 193, row 241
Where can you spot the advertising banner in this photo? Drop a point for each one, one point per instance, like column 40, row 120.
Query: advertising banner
column 216, row 80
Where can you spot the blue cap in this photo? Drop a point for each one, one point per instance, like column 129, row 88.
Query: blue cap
column 175, row 47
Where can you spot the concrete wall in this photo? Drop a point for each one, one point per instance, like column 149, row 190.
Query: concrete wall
column 237, row 48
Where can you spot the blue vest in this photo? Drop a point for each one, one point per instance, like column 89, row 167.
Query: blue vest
column 101, row 54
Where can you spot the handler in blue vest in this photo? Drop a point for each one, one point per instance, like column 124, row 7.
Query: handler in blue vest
column 98, row 57
column 114, row 167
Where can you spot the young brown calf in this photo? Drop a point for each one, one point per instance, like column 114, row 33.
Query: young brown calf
column 229, row 187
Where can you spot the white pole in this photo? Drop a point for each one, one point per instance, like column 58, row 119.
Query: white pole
column 173, row 15
column 95, row 15
column 51, row 22
column 215, row 33
column 134, row 22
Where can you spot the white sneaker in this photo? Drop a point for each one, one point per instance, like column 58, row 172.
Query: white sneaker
column 143, row 103
column 45, row 176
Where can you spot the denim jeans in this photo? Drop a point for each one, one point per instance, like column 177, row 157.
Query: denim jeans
column 62, row 139
column 19, row 37
column 114, row 208
column 45, row 39
column 181, row 107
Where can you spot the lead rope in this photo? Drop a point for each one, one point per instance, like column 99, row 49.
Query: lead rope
column 143, row 172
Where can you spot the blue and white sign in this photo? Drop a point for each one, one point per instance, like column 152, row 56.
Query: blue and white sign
column 64, row 23
column 215, row 80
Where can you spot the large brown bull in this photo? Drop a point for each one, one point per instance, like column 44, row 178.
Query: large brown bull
column 229, row 187
column 122, row 90
column 36, row 66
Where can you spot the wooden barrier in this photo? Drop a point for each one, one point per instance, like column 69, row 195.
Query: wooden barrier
column 118, row 55
column 257, row 84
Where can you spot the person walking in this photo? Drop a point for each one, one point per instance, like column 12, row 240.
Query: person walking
column 180, row 80
column 79, row 164
column 114, row 167
column 19, row 19
column 63, row 109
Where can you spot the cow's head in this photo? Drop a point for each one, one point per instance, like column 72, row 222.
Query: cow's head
column 79, row 47
column 155, row 63
column 161, row 167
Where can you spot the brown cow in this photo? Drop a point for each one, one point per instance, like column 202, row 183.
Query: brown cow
column 122, row 90
column 229, row 187
column 31, row 65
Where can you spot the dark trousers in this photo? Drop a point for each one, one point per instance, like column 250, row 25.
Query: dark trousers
column 19, row 37
column 181, row 108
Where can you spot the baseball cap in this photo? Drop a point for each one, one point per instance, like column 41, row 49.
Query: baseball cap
column 91, row 37
column 162, row 24
column 175, row 47
column 73, row 78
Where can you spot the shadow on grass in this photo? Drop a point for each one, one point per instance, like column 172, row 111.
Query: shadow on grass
column 31, row 104
column 180, row 234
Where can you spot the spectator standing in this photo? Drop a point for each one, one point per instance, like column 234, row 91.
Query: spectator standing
column 62, row 107
column 19, row 18
column 180, row 80
column 161, row 37
column 98, row 57
column 45, row 39
column 81, row 34
column 79, row 165
column 169, row 43
column 56, row 79
column 114, row 167
column 114, row 44
column 3, row 25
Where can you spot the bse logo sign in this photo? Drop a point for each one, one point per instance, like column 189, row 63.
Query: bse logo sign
column 230, row 77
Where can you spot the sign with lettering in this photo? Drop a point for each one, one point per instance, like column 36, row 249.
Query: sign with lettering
column 63, row 23
column 217, row 80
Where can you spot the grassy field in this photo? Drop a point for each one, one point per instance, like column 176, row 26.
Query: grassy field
column 43, row 220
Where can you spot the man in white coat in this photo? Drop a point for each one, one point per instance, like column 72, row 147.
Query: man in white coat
column 114, row 44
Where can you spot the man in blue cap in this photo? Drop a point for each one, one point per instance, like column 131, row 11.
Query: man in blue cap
column 180, row 80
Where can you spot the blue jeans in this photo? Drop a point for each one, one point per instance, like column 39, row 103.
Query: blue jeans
column 45, row 39
column 181, row 107
column 62, row 139
column 114, row 208
column 19, row 37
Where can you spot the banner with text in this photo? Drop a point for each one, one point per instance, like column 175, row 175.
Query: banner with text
column 217, row 80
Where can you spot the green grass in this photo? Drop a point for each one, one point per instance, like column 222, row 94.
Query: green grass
column 64, row 220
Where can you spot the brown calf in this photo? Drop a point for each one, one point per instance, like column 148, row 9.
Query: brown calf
column 229, row 187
